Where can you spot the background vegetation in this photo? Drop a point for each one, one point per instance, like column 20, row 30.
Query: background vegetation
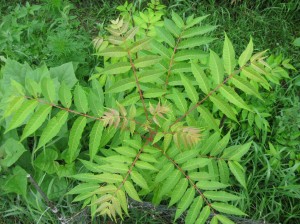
column 56, row 31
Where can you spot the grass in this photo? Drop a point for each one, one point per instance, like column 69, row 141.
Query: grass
column 273, row 191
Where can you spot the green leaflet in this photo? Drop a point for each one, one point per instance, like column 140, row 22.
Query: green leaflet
column 194, row 210
column 195, row 42
column 80, row 99
column 195, row 21
column 33, row 87
column 13, row 106
column 209, row 119
column 204, row 214
column 115, row 68
column 195, row 31
column 233, row 97
column 210, row 185
column 165, row 36
column 224, row 219
column 36, row 121
column 53, row 127
column 190, row 54
column 190, row 89
column 170, row 182
column 154, row 93
column 74, row 138
column 213, row 170
column 177, row 19
column 130, row 190
column 123, row 201
column 179, row 100
column 145, row 166
column 95, row 139
column 83, row 188
column 172, row 27
column 164, row 172
column 201, row 78
column 226, row 208
column 210, row 143
column 137, row 46
column 113, row 52
column 48, row 89
column 238, row 171
column 195, row 163
column 246, row 55
column 220, row 196
column 99, row 178
column 65, row 95
column 131, row 33
column 181, row 67
column 139, row 179
column 185, row 202
column 185, row 156
column 126, row 151
column 228, row 56
column 146, row 61
column 236, row 152
column 160, row 49
column 148, row 158
column 214, row 220
column 245, row 86
column 223, row 171
column 253, row 75
column 178, row 191
column 220, row 145
column 122, row 85
column 22, row 113
column 223, row 106
column 216, row 67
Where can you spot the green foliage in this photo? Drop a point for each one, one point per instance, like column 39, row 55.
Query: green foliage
column 156, row 121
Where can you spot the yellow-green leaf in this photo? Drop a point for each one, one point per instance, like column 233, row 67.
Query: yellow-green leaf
column 194, row 210
column 246, row 55
column 48, row 89
column 65, row 95
column 113, row 52
column 199, row 30
column 115, row 68
column 224, row 219
column 223, row 106
column 210, row 185
column 36, row 120
column 130, row 190
column 95, row 139
column 75, row 137
column 178, row 191
column 165, row 36
column 185, row 202
column 53, row 127
column 220, row 196
column 122, row 85
column 226, row 208
column 146, row 61
column 208, row 117
column 139, row 179
column 233, row 97
column 201, row 78
column 190, row 89
column 204, row 214
column 216, row 67
column 228, row 56
column 245, row 86
column 80, row 99
column 21, row 114
column 238, row 171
